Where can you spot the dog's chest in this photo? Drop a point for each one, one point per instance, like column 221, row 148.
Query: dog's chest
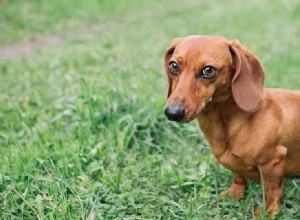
column 232, row 161
column 217, row 135
column 237, row 164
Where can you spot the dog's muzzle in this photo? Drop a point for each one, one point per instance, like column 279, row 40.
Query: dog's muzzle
column 175, row 112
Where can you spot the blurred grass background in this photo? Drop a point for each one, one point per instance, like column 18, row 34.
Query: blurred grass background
column 82, row 129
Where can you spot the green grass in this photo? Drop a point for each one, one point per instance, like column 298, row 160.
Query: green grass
column 82, row 126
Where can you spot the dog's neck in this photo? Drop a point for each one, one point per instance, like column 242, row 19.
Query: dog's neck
column 215, row 120
column 218, row 113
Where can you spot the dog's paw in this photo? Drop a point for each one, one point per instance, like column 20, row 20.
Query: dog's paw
column 233, row 192
column 270, row 213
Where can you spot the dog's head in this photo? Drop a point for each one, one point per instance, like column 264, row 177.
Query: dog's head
column 203, row 69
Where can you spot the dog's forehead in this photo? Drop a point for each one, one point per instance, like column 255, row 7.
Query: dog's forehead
column 203, row 46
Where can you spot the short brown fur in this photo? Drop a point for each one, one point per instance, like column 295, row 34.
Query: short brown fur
column 248, row 127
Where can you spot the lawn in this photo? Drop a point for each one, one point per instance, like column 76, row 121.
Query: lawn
column 83, row 134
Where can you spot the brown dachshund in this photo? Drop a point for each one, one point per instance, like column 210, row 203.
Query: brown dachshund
column 252, row 131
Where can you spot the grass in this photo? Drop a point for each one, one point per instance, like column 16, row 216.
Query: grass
column 82, row 127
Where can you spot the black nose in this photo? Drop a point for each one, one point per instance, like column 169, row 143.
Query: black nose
column 175, row 112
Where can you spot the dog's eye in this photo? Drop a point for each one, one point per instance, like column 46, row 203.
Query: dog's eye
column 208, row 72
column 173, row 67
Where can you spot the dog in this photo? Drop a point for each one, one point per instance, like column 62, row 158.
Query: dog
column 252, row 131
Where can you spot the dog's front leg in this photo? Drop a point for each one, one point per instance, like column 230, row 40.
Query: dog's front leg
column 237, row 188
column 271, row 181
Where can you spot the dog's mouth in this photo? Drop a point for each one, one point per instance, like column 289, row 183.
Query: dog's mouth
column 183, row 114
column 190, row 117
column 178, row 113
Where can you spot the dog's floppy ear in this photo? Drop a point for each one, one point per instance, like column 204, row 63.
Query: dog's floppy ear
column 248, row 79
column 168, row 55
